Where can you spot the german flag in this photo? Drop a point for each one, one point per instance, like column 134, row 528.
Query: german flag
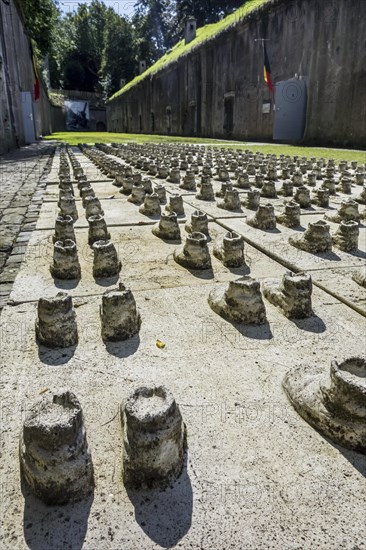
column 267, row 69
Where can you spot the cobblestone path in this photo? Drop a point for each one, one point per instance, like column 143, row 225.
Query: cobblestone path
column 22, row 175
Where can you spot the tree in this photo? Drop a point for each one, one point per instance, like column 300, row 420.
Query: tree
column 119, row 53
column 205, row 11
column 40, row 17
column 152, row 24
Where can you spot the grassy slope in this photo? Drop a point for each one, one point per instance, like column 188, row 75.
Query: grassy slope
column 203, row 34
column 73, row 138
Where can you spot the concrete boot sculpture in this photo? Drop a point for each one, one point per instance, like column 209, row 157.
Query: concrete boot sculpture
column 151, row 206
column 240, row 302
column 92, row 207
column 231, row 250
column 264, row 217
column 54, row 456
column 334, row 403
column 321, row 198
column 302, row 197
column 105, row 261
column 252, row 200
column 347, row 211
column 292, row 295
column 231, row 201
column 98, row 230
column 268, row 190
column 160, row 191
column 67, row 206
column 64, row 229
column 119, row 316
column 168, row 227
column 176, row 204
column 290, row 217
column 287, row 189
column 316, row 239
column 56, row 322
column 195, row 253
column 346, row 236
column 65, row 261
column 189, row 182
column 205, row 192
column 137, row 194
column 199, row 223
column 360, row 277
column 153, row 438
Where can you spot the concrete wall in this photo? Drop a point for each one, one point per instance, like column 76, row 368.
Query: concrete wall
column 322, row 41
column 16, row 76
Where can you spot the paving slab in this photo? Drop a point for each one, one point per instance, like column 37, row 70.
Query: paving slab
column 247, row 447
column 117, row 212
column 102, row 190
column 257, row 476
column 147, row 263
column 276, row 242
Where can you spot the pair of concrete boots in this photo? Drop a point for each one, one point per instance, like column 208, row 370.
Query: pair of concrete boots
column 56, row 325
column 56, row 463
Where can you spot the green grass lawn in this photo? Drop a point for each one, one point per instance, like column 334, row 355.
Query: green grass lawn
column 73, row 138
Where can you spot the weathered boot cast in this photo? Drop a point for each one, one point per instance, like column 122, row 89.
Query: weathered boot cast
column 168, row 227
column 151, row 206
column 56, row 322
column 92, row 207
column 302, row 197
column 153, row 438
column 67, row 206
column 195, row 253
column 346, row 236
column 240, row 302
column 292, row 295
column 105, row 262
column 98, row 230
column 54, row 456
column 269, row 190
column 161, row 193
column 231, row 201
column 334, row 404
column 199, row 223
column 189, row 182
column 231, row 250
column 316, row 238
column 64, row 229
column 264, row 217
column 290, row 217
column 361, row 199
column 176, row 205
column 321, row 198
column 252, row 200
column 205, row 192
column 119, row 316
column 347, row 211
column 226, row 186
column 137, row 194
column 287, row 189
column 360, row 277
column 65, row 260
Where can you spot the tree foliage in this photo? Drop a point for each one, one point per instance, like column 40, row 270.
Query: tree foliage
column 40, row 18
column 93, row 48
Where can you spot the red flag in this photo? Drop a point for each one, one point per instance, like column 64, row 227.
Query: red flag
column 267, row 69
column 37, row 91
column 37, row 86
